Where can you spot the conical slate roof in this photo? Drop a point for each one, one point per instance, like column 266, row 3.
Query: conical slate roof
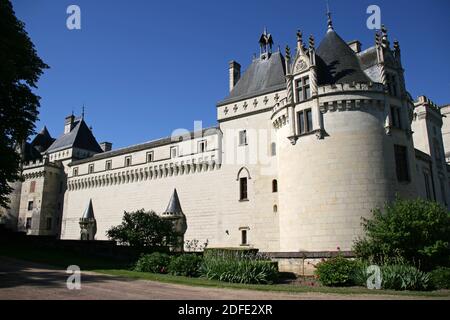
column 43, row 140
column 174, row 207
column 89, row 212
column 337, row 62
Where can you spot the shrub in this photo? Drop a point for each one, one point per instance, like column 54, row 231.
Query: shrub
column 337, row 272
column 143, row 229
column 359, row 276
column 404, row 277
column 440, row 278
column 240, row 271
column 416, row 230
column 238, row 266
column 233, row 253
column 154, row 263
column 187, row 265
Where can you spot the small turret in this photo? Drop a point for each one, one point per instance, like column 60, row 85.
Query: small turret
column 266, row 43
column 175, row 214
column 88, row 224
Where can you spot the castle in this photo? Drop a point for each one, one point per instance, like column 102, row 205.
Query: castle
column 305, row 146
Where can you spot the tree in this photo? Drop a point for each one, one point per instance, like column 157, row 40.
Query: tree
column 417, row 231
column 20, row 69
column 142, row 229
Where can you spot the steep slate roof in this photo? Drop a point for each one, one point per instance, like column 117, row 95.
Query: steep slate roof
column 89, row 212
column 337, row 62
column 148, row 145
column 31, row 153
column 43, row 140
column 174, row 207
column 262, row 76
column 368, row 57
column 80, row 137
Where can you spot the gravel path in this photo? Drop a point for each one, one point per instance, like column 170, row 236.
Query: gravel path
column 26, row 280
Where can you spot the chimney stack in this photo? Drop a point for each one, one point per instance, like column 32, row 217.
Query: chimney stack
column 235, row 73
column 68, row 123
column 106, row 146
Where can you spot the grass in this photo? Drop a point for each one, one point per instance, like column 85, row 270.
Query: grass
column 260, row 287
column 59, row 258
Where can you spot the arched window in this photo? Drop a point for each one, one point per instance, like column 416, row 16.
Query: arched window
column 275, row 208
column 274, row 185
column 273, row 149
column 243, row 177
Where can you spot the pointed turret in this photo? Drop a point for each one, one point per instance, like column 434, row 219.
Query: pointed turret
column 88, row 224
column 175, row 214
column 265, row 43
column 338, row 62
column 174, row 207
column 89, row 212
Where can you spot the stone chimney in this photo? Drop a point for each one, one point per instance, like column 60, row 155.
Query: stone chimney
column 235, row 73
column 68, row 123
column 106, row 146
column 355, row 45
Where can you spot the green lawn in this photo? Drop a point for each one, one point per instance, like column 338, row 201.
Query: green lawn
column 63, row 259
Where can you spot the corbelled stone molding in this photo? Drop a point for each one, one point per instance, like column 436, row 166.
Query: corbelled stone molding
column 141, row 174
column 350, row 104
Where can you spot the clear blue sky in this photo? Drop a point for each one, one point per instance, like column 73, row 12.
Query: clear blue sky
column 144, row 68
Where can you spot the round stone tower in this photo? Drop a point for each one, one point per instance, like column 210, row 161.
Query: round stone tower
column 339, row 153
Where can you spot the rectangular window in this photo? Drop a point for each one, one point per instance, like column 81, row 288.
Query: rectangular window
column 30, row 205
column 305, row 122
column 91, row 168
column 49, row 223
column 303, row 89
column 396, row 117
column 174, row 152
column 426, row 178
column 127, row 161
column 150, row 156
column 243, row 137
column 301, row 122
column 244, row 240
column 393, row 116
column 108, row 165
column 202, row 146
column 28, row 223
column 75, row 172
column 401, row 163
column 243, row 189
column 394, row 85
column 32, row 186
column 309, row 124
column 399, row 118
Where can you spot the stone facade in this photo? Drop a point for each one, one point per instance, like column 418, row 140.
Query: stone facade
column 300, row 154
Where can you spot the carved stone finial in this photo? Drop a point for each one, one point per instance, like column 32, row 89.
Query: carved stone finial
column 396, row 46
column 311, row 42
column 288, row 53
column 384, row 36
column 329, row 20
column 377, row 38
column 300, row 37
